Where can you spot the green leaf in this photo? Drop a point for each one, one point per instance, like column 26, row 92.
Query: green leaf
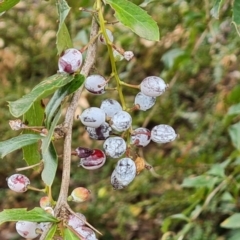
column 135, row 18
column 234, row 110
column 46, row 141
column 51, row 232
column 7, row 4
column 236, row 15
column 217, row 170
column 17, row 142
column 50, row 165
column 21, row 214
column 234, row 131
column 216, row 9
column 232, row 222
column 64, row 40
column 69, row 235
column 200, row 181
column 59, row 96
column 180, row 216
column 170, row 56
column 63, row 37
column 33, row 117
column 42, row 90
column 63, row 10
column 234, row 234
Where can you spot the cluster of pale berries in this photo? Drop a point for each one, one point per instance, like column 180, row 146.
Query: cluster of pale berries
column 110, row 122
column 30, row 230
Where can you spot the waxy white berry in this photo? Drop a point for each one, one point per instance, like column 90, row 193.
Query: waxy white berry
column 27, row 229
column 163, row 134
column 18, row 182
column 70, row 61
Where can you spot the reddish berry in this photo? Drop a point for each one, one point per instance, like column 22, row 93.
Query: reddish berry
column 93, row 161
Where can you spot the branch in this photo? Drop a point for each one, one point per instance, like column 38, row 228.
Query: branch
column 68, row 123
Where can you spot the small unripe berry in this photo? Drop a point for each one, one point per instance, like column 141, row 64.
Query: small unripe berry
column 70, row 61
column 27, row 229
column 79, row 194
column 18, row 182
column 45, row 202
column 128, row 55
column 49, row 210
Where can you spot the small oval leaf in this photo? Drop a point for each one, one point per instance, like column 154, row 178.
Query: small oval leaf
column 232, row 222
column 135, row 18
column 50, row 165
column 17, row 142
column 42, row 90
column 21, row 214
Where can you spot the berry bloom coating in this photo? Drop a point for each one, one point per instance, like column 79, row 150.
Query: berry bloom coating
column 110, row 37
column 100, row 133
column 141, row 137
column 163, row 134
column 114, row 147
column 153, row 86
column 45, row 202
column 83, row 152
column 124, row 173
column 121, row 121
column 144, row 102
column 75, row 222
column 94, row 161
column 79, row 194
column 110, row 107
column 92, row 117
column 128, row 55
column 18, row 182
column 95, row 84
column 70, row 61
column 86, row 233
column 27, row 229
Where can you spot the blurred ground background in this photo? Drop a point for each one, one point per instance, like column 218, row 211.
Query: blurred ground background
column 197, row 55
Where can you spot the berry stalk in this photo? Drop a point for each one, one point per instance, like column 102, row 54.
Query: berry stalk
column 110, row 52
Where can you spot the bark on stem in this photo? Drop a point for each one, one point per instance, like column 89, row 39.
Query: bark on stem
column 68, row 123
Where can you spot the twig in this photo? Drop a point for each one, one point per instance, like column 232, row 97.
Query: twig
column 68, row 123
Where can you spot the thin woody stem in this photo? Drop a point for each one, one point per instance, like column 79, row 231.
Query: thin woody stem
column 68, row 123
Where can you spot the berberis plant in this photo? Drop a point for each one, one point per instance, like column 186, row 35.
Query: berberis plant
column 110, row 122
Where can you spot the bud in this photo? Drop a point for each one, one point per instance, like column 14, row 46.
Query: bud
column 128, row 55
column 45, row 202
column 79, row 194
